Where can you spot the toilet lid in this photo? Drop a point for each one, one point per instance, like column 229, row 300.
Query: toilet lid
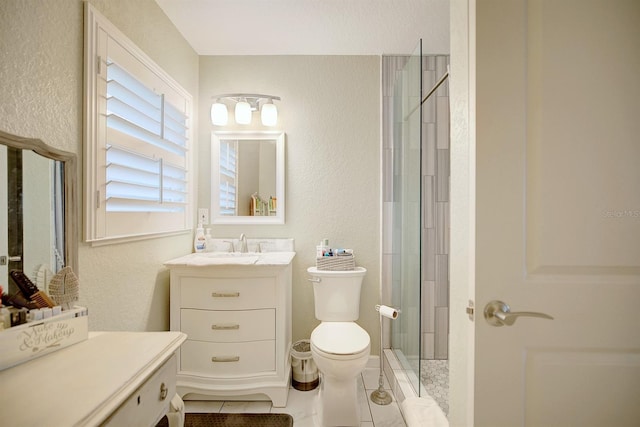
column 340, row 338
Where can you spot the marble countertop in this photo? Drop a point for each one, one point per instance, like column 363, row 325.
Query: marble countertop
column 206, row 259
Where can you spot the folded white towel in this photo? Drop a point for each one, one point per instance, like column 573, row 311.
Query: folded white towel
column 423, row 412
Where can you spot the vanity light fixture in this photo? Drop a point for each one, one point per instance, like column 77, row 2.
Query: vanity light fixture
column 245, row 105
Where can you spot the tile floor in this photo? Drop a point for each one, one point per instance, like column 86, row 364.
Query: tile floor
column 435, row 379
column 300, row 405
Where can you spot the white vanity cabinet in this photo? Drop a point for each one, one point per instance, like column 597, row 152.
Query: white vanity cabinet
column 236, row 312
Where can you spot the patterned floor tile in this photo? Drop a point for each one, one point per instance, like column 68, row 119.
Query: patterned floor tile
column 434, row 375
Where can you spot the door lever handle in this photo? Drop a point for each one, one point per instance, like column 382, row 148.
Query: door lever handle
column 498, row 313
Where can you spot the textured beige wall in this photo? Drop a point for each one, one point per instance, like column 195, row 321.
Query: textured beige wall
column 41, row 62
column 330, row 111
column 41, row 70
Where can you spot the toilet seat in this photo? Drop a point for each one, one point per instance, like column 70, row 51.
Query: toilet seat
column 340, row 339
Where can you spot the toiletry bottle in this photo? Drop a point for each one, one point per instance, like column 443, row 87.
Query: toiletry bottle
column 200, row 240
column 322, row 248
column 208, row 239
column 325, row 247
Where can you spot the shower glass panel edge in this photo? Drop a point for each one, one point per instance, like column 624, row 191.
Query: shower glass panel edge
column 406, row 265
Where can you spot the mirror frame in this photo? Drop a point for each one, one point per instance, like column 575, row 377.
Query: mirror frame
column 70, row 185
column 216, row 137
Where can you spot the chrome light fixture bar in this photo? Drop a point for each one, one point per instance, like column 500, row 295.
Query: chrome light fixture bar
column 245, row 105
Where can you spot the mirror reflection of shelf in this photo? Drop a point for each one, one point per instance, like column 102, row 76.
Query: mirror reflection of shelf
column 260, row 169
column 259, row 207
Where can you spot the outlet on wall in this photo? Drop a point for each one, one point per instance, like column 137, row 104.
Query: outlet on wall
column 203, row 216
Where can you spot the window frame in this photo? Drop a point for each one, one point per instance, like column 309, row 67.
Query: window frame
column 103, row 226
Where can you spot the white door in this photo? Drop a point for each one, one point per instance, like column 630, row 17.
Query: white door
column 558, row 212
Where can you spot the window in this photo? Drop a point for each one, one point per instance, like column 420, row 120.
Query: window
column 137, row 137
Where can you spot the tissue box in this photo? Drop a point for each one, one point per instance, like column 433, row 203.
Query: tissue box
column 34, row 339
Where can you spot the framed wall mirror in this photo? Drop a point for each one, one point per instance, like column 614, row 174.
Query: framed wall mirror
column 37, row 208
column 247, row 177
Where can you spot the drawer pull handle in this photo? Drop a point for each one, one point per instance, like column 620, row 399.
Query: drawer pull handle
column 225, row 358
column 163, row 391
column 225, row 294
column 225, row 327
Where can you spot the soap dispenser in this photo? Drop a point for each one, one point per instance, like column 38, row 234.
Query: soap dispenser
column 200, row 240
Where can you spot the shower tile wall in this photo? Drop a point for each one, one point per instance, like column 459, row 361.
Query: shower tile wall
column 435, row 200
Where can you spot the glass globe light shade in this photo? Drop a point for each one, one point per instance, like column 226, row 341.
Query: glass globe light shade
column 219, row 114
column 243, row 113
column 269, row 114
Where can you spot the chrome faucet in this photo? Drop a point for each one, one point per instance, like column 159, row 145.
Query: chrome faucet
column 243, row 243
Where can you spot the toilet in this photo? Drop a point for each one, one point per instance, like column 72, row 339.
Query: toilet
column 339, row 346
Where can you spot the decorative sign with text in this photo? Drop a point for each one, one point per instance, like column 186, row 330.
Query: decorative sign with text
column 34, row 339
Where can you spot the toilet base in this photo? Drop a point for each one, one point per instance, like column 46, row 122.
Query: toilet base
column 337, row 402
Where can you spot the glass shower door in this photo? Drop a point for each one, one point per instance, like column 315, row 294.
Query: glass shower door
column 406, row 266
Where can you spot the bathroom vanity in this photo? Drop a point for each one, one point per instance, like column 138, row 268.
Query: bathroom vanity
column 112, row 378
column 236, row 311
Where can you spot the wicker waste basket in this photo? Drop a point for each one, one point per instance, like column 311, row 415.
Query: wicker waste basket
column 304, row 370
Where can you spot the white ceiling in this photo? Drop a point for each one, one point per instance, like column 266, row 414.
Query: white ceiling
column 311, row 27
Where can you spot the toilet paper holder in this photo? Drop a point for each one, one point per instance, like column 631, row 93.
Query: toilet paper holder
column 388, row 312
column 380, row 396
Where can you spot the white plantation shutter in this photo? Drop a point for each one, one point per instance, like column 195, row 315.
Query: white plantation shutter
column 137, row 141
column 144, row 134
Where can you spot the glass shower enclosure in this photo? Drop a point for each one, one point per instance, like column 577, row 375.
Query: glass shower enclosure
column 406, row 264
column 418, row 239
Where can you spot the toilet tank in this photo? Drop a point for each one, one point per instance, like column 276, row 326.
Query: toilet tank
column 337, row 293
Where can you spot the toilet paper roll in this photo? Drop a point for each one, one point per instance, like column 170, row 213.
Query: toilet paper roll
column 389, row 312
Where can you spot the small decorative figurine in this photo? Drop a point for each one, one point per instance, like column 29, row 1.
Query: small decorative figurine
column 64, row 287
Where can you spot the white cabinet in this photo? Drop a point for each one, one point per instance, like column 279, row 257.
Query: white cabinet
column 237, row 318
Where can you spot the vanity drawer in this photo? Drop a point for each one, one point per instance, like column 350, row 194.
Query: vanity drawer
column 219, row 293
column 228, row 359
column 148, row 404
column 229, row 326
